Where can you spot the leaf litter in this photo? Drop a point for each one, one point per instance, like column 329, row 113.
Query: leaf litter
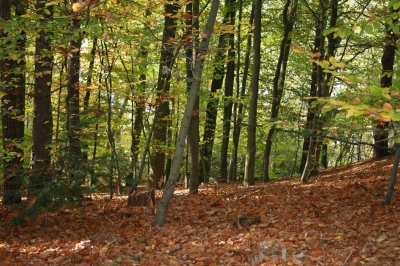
column 335, row 219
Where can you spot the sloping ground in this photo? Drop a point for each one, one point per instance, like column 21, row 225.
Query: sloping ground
column 335, row 219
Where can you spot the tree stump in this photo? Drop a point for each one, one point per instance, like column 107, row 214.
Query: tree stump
column 145, row 198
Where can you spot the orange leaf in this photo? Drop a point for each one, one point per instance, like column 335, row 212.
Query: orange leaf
column 356, row 101
column 387, row 106
column 187, row 16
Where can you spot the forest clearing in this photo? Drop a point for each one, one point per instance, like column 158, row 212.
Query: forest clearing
column 335, row 219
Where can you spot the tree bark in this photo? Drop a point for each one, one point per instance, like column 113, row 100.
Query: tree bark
column 201, row 52
column 333, row 44
column 251, row 130
column 228, row 94
column 310, row 156
column 74, row 159
column 12, row 78
column 42, row 119
column 139, row 109
column 193, row 132
column 279, row 80
column 164, row 76
column 238, row 116
column 381, row 132
column 212, row 107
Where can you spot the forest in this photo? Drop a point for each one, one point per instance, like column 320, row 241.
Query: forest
column 115, row 97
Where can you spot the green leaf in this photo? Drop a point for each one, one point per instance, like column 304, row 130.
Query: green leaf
column 369, row 28
column 142, row 239
column 395, row 29
column 396, row 83
column 396, row 117
column 376, row 25
column 51, row 3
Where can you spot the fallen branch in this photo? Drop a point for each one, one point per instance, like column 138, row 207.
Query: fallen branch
column 345, row 262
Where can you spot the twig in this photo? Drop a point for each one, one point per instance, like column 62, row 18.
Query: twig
column 251, row 193
column 224, row 196
column 345, row 262
column 174, row 249
column 322, row 249
column 109, row 220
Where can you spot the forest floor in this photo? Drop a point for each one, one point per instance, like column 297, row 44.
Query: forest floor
column 335, row 219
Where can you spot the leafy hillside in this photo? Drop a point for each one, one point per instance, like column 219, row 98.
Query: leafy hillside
column 335, row 219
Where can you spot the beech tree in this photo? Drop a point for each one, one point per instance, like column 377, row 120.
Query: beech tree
column 42, row 120
column 381, row 136
column 201, row 54
column 289, row 17
column 12, row 90
column 252, row 124
column 163, row 85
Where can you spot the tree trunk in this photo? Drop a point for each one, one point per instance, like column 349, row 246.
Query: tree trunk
column 72, row 101
column 42, row 116
column 164, row 76
column 201, row 52
column 381, row 132
column 228, row 93
column 193, row 132
column 212, row 107
column 238, row 116
column 13, row 105
column 333, row 44
column 251, row 130
column 137, row 128
column 310, row 162
column 279, row 79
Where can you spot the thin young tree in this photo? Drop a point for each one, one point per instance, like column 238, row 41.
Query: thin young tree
column 289, row 16
column 240, row 93
column 200, row 56
column 252, row 121
column 193, row 133
column 228, row 92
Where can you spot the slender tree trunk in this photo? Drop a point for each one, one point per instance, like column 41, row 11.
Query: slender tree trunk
column 13, row 108
column 193, row 132
column 251, row 130
column 279, row 79
column 93, row 179
column 42, row 116
column 228, row 94
column 164, row 75
column 333, row 43
column 201, row 52
column 212, row 107
column 85, row 152
column 381, row 132
column 138, row 113
column 72, row 100
column 211, row 113
column 239, row 116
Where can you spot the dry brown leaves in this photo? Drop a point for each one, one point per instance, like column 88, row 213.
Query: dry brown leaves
column 336, row 219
